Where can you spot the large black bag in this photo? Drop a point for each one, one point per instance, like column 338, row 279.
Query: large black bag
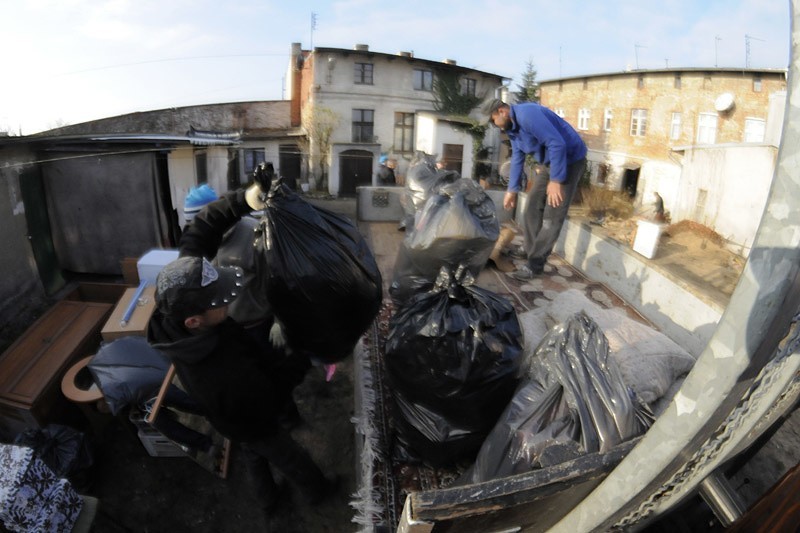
column 320, row 276
column 572, row 401
column 457, row 225
column 452, row 359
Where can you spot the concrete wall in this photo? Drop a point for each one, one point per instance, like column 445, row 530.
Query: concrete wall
column 433, row 133
column 736, row 181
column 22, row 295
column 663, row 300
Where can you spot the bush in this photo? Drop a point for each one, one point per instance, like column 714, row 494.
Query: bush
column 604, row 202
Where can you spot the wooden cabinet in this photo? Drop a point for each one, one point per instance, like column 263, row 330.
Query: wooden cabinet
column 31, row 369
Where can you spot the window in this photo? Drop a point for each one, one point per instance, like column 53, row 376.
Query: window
column 608, row 114
column 754, row 130
column 583, row 118
column 252, row 158
column 675, row 127
column 559, row 111
column 757, row 84
column 468, row 86
column 585, row 84
column 640, row 81
column 423, row 80
column 677, row 83
column 363, row 125
column 404, row 132
column 362, row 73
column 638, row 122
column 200, row 166
column 602, row 174
column 706, row 128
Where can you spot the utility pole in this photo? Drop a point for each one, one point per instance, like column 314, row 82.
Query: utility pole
column 559, row 61
column 747, row 39
column 636, row 47
column 717, row 39
column 666, row 60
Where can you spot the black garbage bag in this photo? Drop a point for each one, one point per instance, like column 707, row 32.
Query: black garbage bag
column 65, row 450
column 572, row 402
column 128, row 371
column 320, row 276
column 453, row 356
column 458, row 225
column 421, row 180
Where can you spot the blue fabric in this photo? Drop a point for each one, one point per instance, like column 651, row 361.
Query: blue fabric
column 200, row 196
column 537, row 130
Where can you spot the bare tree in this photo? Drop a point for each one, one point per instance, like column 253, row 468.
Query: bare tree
column 318, row 123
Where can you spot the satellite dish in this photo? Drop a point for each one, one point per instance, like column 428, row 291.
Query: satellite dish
column 724, row 102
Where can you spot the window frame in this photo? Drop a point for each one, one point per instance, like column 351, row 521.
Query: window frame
column 246, row 152
column 469, row 86
column 360, row 75
column 584, row 114
column 406, row 132
column 638, row 122
column 702, row 128
column 676, row 126
column 362, row 131
column 608, row 116
column 758, row 84
column 420, row 77
column 748, row 123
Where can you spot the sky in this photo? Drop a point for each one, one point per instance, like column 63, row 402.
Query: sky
column 71, row 61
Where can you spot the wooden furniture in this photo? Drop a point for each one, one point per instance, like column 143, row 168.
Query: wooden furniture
column 31, row 369
column 137, row 323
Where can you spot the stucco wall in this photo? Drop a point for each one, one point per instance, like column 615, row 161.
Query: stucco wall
column 736, row 181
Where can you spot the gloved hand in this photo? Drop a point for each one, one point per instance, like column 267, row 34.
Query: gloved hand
column 263, row 176
column 276, row 335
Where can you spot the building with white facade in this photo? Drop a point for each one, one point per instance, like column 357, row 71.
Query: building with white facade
column 381, row 104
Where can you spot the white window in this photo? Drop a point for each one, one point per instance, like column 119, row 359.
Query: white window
column 423, row 80
column 583, row 118
column 754, row 130
column 560, row 112
column 638, row 122
column 706, row 128
column 675, row 127
column 607, row 116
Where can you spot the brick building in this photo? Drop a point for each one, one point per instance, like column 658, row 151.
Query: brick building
column 644, row 116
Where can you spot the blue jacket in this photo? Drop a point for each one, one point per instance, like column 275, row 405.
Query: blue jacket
column 537, row 130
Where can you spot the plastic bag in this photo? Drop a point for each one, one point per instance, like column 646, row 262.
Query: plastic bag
column 572, row 402
column 458, row 225
column 452, row 359
column 421, row 180
column 66, row 451
column 128, row 371
column 320, row 276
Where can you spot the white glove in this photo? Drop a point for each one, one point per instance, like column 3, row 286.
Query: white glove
column 253, row 196
column 276, row 335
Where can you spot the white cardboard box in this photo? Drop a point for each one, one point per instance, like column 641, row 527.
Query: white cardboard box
column 151, row 263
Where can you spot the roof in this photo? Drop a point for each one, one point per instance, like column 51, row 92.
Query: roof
column 670, row 71
column 409, row 58
column 195, row 137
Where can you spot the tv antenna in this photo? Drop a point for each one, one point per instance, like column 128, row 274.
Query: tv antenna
column 717, row 39
column 747, row 39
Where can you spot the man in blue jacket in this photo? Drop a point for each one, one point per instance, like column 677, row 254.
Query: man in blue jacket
column 535, row 129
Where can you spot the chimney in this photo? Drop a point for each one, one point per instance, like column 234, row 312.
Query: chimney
column 405, row 54
column 296, row 72
column 361, row 48
column 449, row 61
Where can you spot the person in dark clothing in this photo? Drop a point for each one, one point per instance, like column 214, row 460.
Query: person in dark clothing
column 385, row 172
column 535, row 129
column 221, row 365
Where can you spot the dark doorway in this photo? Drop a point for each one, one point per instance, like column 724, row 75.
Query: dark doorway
column 289, row 164
column 630, row 181
column 355, row 167
column 453, row 157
